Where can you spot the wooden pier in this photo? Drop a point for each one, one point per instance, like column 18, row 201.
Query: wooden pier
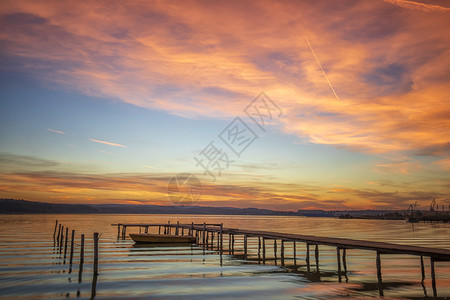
column 205, row 234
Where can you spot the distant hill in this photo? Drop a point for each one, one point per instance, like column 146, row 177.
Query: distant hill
column 12, row 206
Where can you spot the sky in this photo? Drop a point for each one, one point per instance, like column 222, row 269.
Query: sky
column 283, row 105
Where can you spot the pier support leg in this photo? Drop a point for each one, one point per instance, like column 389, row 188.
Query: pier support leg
column 118, row 231
column 308, row 267
column 259, row 249
column 344, row 262
column 221, row 238
column 229, row 243
column 282, row 252
column 264, row 250
column 380, row 280
column 124, row 232
column 294, row 248
column 245, row 246
column 338, row 257
column 275, row 251
column 422, row 268
column 146, row 229
column 232, row 243
column 316, row 257
column 204, row 237
column 433, row 277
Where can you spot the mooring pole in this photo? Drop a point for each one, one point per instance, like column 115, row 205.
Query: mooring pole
column 59, row 233
column 61, row 239
column 80, row 270
column 282, row 252
column 72, row 240
column 95, row 253
column 54, row 231
column 275, row 250
column 65, row 244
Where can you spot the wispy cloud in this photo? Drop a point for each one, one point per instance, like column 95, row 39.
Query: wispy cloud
column 56, row 131
column 418, row 5
column 107, row 143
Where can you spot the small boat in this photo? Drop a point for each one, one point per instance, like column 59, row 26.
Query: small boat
column 160, row 238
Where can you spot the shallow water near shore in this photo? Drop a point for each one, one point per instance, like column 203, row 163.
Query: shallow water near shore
column 32, row 267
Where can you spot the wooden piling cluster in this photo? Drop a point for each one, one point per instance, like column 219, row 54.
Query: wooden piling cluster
column 61, row 240
column 205, row 235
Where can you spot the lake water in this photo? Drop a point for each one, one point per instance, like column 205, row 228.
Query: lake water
column 31, row 267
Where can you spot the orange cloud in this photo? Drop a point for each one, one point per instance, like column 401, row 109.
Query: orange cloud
column 181, row 58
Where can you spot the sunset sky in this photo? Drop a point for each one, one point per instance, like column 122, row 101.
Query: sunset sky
column 104, row 102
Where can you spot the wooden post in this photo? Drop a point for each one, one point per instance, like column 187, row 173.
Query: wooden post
column 338, row 257
column 245, row 246
column 124, row 232
column 204, row 237
column 282, row 252
column 264, row 249
column 316, row 257
column 178, row 227
column 295, row 253
column 59, row 232
column 212, row 239
column 229, row 242
column 95, row 253
column 422, row 268
column 169, row 228
column 308, row 267
column 80, row 270
column 54, row 231
column 182, row 230
column 344, row 260
column 221, row 237
column 61, row 239
column 65, row 244
column 159, row 229
column 232, row 243
column 259, row 249
column 207, row 239
column 146, row 229
column 71, row 247
column 380, row 280
column 118, row 231
column 275, row 250
column 433, row 277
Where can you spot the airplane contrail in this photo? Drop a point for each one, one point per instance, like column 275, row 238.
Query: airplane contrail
column 320, row 65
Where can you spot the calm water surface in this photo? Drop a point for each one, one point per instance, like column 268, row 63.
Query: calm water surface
column 31, row 267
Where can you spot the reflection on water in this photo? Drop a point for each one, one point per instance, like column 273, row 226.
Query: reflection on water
column 33, row 266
